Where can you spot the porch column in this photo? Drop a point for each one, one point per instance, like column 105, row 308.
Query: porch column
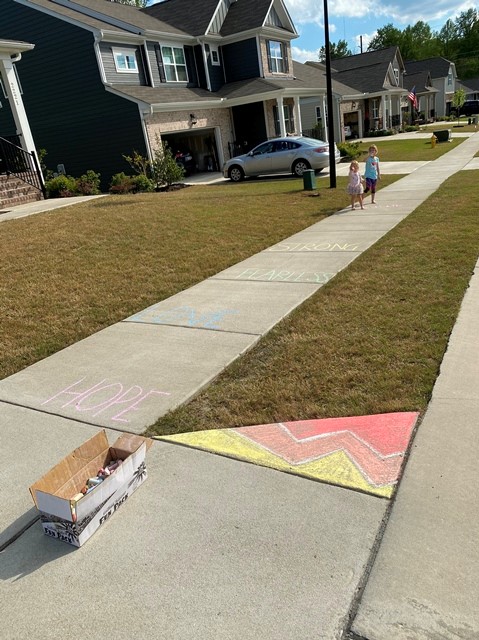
column 16, row 103
column 384, row 110
column 282, row 124
column 325, row 125
column 298, row 127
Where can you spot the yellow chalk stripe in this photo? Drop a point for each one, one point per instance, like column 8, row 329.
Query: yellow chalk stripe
column 335, row 468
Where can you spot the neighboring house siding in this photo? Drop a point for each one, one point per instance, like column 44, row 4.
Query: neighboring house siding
column 220, row 17
column 241, row 60
column 215, row 71
column 111, row 74
column 73, row 118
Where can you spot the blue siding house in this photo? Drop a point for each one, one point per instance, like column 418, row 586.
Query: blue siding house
column 105, row 78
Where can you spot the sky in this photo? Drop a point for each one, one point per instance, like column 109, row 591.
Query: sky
column 350, row 19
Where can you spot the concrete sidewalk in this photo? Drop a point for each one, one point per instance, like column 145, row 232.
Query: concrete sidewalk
column 214, row 548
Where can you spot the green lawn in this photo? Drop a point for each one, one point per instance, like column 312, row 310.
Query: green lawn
column 406, row 149
column 371, row 340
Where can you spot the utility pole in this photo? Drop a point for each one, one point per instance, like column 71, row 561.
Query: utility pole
column 329, row 97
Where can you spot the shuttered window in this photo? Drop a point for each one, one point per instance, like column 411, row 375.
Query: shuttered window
column 277, row 57
column 174, row 64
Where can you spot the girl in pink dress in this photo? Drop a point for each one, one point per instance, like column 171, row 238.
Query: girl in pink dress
column 355, row 186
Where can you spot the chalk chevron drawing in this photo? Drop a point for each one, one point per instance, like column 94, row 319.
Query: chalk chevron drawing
column 364, row 453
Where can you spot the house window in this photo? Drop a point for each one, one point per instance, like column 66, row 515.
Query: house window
column 288, row 119
column 215, row 57
column 125, row 61
column 175, row 64
column 449, row 79
column 396, row 76
column 277, row 57
column 318, row 115
column 375, row 109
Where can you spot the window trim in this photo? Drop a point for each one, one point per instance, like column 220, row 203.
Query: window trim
column 215, row 50
column 175, row 65
column 273, row 60
column 127, row 54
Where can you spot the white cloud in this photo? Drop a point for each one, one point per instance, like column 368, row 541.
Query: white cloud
column 303, row 55
column 405, row 13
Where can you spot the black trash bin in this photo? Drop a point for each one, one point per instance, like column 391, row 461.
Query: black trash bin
column 309, row 180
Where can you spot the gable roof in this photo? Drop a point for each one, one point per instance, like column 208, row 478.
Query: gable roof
column 421, row 80
column 369, row 58
column 438, row 67
column 241, row 15
column 244, row 15
column 106, row 15
column 366, row 72
column 183, row 14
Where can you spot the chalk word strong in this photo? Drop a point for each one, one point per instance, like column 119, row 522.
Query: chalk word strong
column 315, row 246
column 102, row 396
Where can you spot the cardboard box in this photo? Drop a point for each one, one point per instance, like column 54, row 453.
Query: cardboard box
column 76, row 522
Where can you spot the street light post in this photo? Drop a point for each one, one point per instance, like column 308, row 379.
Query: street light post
column 329, row 99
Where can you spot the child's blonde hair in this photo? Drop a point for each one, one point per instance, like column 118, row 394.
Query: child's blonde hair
column 354, row 165
column 373, row 148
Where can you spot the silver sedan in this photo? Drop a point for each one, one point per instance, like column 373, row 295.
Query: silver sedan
column 293, row 154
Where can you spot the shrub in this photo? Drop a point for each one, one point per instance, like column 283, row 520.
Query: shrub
column 142, row 183
column 380, row 132
column 121, row 183
column 164, row 169
column 349, row 149
column 88, row 184
column 60, row 187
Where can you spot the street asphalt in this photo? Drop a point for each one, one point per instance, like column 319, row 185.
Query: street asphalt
column 218, row 548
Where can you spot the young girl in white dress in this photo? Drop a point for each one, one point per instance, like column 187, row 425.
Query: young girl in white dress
column 355, row 186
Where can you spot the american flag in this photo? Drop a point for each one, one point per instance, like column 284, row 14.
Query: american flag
column 412, row 97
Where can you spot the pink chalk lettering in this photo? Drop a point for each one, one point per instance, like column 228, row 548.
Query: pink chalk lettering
column 134, row 406
column 76, row 395
column 119, row 399
column 103, row 401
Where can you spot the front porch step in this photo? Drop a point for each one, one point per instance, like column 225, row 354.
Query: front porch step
column 14, row 191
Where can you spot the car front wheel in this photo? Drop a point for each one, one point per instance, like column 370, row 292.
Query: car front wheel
column 300, row 166
column 236, row 174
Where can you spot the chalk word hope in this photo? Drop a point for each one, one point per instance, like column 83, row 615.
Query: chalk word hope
column 103, row 396
column 183, row 315
column 285, row 276
column 311, row 246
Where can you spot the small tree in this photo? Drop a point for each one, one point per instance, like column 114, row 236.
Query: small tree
column 164, row 169
column 458, row 99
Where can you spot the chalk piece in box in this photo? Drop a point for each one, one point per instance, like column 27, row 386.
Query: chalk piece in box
column 76, row 522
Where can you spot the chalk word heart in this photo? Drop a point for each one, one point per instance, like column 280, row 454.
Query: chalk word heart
column 183, row 315
column 272, row 275
column 102, row 396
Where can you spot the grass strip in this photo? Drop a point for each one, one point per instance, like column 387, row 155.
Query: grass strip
column 370, row 341
column 68, row 273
